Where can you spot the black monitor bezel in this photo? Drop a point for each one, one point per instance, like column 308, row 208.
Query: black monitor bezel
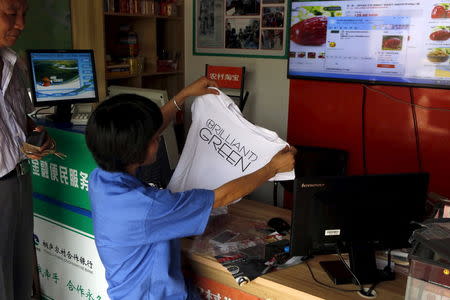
column 367, row 82
column 37, row 103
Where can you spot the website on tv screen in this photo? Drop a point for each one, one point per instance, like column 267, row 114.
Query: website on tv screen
column 391, row 41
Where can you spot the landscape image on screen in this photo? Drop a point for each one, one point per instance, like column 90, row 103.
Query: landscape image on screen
column 56, row 74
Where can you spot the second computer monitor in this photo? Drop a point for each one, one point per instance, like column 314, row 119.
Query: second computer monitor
column 356, row 214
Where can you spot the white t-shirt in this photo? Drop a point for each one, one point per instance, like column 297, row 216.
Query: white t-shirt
column 221, row 146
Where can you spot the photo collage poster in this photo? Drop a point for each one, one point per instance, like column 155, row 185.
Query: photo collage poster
column 240, row 27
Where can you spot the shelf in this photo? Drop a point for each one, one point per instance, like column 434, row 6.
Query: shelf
column 169, row 18
column 145, row 74
column 114, row 14
column 118, row 76
column 95, row 28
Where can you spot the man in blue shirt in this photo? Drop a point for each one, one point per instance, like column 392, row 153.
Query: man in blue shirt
column 137, row 227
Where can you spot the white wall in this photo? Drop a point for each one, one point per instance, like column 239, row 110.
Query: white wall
column 266, row 80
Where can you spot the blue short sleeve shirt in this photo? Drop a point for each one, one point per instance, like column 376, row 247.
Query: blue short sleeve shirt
column 136, row 230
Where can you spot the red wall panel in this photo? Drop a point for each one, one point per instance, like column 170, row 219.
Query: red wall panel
column 389, row 131
column 434, row 136
column 329, row 114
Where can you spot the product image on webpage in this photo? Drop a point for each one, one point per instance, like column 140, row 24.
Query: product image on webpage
column 395, row 41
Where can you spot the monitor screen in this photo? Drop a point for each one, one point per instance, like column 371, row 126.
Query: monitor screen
column 62, row 77
column 333, row 214
column 159, row 172
column 394, row 42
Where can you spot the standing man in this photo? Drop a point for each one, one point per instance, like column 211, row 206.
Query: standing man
column 16, row 220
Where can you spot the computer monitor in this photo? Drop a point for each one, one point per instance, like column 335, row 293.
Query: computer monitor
column 160, row 172
column 317, row 161
column 158, row 96
column 358, row 215
column 61, row 78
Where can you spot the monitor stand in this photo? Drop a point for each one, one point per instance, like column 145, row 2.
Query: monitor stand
column 337, row 272
column 62, row 115
column 362, row 264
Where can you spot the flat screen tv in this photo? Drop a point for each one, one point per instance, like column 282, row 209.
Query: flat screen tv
column 391, row 42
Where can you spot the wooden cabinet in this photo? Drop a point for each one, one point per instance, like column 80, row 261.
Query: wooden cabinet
column 93, row 28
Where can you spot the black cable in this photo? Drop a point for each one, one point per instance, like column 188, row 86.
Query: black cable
column 348, row 268
column 416, row 130
column 361, row 290
column 389, row 259
column 324, row 284
column 386, row 269
column 363, row 129
column 36, row 112
column 404, row 102
column 414, row 114
column 275, row 193
column 370, row 290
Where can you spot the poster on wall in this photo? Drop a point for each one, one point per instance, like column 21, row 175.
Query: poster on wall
column 250, row 28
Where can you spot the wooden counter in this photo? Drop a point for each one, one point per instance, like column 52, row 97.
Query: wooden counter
column 291, row 283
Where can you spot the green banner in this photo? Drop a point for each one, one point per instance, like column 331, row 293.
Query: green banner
column 65, row 180
column 63, row 215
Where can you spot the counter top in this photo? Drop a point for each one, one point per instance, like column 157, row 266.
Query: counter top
column 290, row 283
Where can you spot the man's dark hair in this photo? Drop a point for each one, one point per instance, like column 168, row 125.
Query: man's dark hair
column 120, row 129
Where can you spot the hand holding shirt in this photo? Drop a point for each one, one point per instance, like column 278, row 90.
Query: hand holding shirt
column 221, row 146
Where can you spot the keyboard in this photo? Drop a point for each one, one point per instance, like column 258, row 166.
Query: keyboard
column 80, row 118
